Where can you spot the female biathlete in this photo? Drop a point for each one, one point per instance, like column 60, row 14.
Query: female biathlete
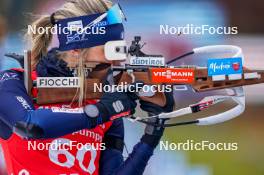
column 24, row 124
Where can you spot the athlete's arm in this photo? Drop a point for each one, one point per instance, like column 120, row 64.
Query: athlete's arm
column 112, row 161
column 16, row 108
column 17, row 111
column 111, row 158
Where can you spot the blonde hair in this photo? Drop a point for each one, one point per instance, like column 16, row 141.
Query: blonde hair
column 72, row 8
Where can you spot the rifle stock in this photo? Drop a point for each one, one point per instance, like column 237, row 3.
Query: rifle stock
column 201, row 83
column 204, row 83
column 62, row 95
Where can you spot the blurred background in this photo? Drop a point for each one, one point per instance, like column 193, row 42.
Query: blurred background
column 145, row 18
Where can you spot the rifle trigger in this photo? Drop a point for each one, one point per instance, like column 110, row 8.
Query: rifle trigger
column 131, row 74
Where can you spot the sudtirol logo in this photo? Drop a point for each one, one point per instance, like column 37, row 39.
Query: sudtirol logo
column 225, row 66
column 147, row 61
column 58, row 82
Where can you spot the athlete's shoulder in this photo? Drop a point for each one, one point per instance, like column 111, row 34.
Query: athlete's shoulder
column 12, row 74
column 10, row 79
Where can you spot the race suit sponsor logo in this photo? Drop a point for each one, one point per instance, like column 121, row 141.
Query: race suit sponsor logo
column 23, row 102
column 225, row 66
column 8, row 76
column 118, row 106
column 67, row 110
column 123, row 114
column 172, row 75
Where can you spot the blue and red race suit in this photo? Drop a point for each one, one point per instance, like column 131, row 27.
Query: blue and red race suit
column 79, row 149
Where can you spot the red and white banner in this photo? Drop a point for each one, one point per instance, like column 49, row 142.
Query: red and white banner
column 172, row 75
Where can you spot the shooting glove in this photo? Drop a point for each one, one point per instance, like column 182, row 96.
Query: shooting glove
column 153, row 134
column 113, row 105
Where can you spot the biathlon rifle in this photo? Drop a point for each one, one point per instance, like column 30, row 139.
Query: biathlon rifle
column 152, row 70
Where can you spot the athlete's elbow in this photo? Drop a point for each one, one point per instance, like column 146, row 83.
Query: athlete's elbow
column 28, row 130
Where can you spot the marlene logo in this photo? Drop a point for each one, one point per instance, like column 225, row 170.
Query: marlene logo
column 225, row 66
column 222, row 67
column 172, row 75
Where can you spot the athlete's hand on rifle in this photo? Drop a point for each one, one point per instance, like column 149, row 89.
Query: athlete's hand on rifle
column 114, row 104
column 154, row 133
column 118, row 104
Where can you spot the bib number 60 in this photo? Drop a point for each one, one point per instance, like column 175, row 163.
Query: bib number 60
column 70, row 159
